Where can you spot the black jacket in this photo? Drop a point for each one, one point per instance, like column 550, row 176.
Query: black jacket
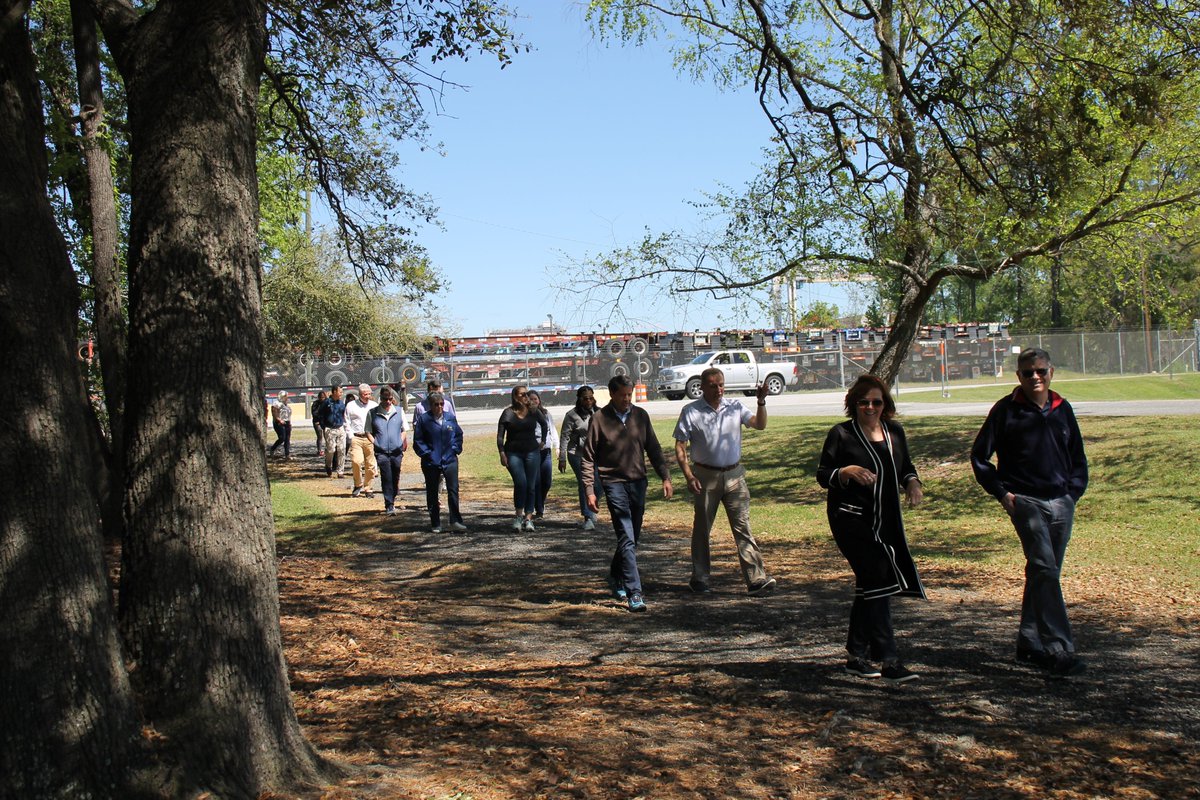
column 1038, row 453
column 867, row 521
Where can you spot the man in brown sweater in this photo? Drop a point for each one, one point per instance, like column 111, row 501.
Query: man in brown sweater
column 619, row 439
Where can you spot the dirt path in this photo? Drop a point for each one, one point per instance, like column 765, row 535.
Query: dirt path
column 492, row 664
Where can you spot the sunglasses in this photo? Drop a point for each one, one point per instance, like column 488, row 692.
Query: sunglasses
column 864, row 403
column 1041, row 372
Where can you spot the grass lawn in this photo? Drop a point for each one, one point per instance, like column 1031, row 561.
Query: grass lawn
column 1138, row 524
column 1073, row 386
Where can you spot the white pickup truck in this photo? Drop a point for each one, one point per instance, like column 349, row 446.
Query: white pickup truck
column 742, row 373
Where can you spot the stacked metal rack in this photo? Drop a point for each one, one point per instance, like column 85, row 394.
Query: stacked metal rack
column 480, row 371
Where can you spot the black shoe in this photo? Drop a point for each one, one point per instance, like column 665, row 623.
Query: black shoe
column 862, row 668
column 1067, row 664
column 763, row 587
column 698, row 587
column 1038, row 658
column 896, row 672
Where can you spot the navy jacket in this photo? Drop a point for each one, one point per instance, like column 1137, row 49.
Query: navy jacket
column 1038, row 453
column 437, row 445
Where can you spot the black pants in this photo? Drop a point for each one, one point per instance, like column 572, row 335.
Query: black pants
column 871, row 633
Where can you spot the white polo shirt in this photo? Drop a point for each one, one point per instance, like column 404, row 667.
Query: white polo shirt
column 356, row 415
column 715, row 434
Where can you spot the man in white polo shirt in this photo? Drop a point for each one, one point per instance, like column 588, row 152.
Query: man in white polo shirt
column 712, row 426
column 362, row 452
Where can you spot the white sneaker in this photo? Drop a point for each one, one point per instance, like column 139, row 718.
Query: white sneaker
column 457, row 526
column 517, row 523
column 588, row 525
column 435, row 530
column 528, row 525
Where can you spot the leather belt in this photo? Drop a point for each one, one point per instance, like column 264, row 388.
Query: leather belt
column 361, row 434
column 718, row 469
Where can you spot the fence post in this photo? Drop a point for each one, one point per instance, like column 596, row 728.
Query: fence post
column 841, row 361
column 1196, row 349
column 1120, row 353
column 1083, row 353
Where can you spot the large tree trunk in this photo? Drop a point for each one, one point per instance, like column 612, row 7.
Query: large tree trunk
column 904, row 330
column 66, row 720
column 106, row 282
column 199, row 598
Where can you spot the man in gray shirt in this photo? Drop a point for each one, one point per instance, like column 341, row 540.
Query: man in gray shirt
column 712, row 426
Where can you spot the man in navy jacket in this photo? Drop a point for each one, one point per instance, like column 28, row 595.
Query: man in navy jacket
column 438, row 440
column 1039, row 475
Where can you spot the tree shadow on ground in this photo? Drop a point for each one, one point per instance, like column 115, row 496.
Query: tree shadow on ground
column 494, row 664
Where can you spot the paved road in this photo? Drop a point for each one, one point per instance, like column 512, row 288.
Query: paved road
column 829, row 404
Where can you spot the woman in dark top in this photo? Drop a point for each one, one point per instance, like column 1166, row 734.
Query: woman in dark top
column 864, row 464
column 317, row 407
column 570, row 448
column 521, row 453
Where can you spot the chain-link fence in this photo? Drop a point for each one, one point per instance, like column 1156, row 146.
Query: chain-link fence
column 1121, row 352
column 824, row 360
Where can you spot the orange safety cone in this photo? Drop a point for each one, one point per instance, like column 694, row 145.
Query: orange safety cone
column 639, row 393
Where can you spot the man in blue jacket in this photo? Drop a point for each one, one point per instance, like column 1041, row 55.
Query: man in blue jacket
column 1039, row 475
column 438, row 440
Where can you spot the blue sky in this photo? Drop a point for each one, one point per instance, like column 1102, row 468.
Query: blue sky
column 575, row 148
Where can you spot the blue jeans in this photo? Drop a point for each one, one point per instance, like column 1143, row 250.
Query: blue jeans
column 576, row 461
column 523, row 467
column 433, row 476
column 283, row 436
column 1044, row 527
column 545, row 477
column 627, row 507
column 389, row 477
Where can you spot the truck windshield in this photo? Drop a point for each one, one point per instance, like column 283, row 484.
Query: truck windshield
column 701, row 359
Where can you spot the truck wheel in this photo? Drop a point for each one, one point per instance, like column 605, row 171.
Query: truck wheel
column 692, row 389
column 775, row 384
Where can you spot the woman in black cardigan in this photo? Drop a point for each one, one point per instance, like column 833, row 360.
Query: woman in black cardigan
column 864, row 464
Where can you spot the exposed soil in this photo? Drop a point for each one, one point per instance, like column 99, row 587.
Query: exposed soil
column 492, row 664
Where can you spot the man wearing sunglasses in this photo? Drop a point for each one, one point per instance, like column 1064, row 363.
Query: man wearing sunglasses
column 1039, row 475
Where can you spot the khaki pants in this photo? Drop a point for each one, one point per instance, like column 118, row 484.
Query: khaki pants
column 362, row 459
column 728, row 488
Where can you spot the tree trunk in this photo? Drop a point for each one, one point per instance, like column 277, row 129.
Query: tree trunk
column 66, row 715
column 904, row 330
column 199, row 597
column 106, row 283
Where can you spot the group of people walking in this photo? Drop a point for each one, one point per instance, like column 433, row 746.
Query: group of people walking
column 1028, row 454
column 376, row 436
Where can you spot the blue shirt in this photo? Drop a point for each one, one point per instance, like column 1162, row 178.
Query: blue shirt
column 332, row 414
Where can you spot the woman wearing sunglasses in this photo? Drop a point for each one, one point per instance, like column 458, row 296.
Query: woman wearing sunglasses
column 865, row 464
